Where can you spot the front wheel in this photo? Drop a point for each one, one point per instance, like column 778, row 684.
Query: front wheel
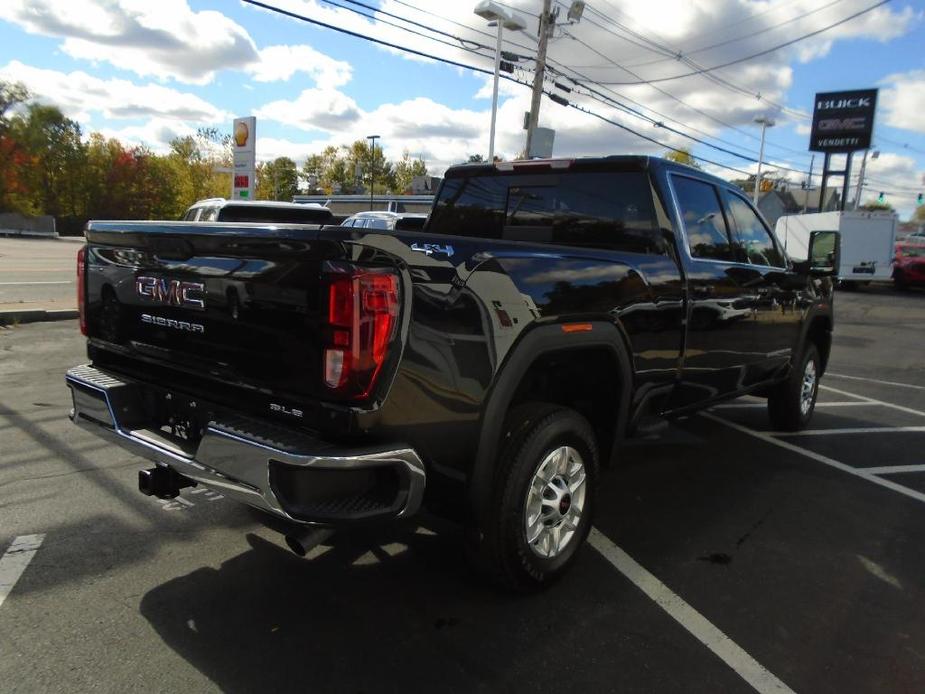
column 543, row 497
column 791, row 403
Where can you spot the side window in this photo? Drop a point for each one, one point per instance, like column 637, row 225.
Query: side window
column 704, row 223
column 751, row 234
column 208, row 214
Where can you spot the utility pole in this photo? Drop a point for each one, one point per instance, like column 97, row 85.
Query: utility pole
column 765, row 123
column 809, row 183
column 546, row 25
column 860, row 192
column 372, row 167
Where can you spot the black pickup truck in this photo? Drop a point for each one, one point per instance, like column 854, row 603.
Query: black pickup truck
column 484, row 367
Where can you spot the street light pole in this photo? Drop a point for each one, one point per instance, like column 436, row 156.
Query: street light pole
column 505, row 19
column 372, row 167
column 494, row 95
column 765, row 124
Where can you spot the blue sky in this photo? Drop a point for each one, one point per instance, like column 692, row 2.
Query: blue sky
column 146, row 72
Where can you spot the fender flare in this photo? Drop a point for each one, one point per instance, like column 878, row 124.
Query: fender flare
column 534, row 344
column 815, row 315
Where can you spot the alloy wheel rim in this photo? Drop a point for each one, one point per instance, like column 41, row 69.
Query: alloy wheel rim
column 808, row 389
column 555, row 502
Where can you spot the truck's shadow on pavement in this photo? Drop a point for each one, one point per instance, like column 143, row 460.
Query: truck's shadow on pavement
column 403, row 614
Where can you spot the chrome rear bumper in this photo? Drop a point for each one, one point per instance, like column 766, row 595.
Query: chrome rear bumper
column 290, row 474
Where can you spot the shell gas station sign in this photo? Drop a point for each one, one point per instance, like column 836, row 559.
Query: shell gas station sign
column 244, row 137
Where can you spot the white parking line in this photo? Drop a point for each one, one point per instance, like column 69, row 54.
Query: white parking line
column 696, row 624
column 876, row 380
column 818, row 457
column 872, row 401
column 846, row 430
column 893, row 469
column 15, row 561
column 763, row 405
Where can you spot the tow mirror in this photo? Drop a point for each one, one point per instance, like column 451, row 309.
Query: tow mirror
column 824, row 253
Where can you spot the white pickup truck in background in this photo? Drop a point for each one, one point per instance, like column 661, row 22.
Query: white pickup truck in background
column 868, row 241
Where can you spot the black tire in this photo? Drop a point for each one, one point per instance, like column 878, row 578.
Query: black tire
column 899, row 281
column 500, row 546
column 785, row 401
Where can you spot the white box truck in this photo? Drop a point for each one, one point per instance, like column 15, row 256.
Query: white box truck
column 868, row 241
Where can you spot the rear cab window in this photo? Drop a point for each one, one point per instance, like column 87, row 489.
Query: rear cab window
column 611, row 210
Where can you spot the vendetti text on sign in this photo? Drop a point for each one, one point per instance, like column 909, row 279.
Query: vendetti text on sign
column 843, row 121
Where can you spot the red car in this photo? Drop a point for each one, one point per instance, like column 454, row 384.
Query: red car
column 909, row 266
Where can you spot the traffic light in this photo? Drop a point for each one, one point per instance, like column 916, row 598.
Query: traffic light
column 918, row 200
column 881, row 197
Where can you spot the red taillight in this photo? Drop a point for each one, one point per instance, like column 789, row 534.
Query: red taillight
column 362, row 319
column 82, row 288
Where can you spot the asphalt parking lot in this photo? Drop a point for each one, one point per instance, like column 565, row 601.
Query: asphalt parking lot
column 38, row 273
column 726, row 558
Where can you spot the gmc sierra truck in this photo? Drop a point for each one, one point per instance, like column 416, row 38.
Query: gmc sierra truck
column 484, row 367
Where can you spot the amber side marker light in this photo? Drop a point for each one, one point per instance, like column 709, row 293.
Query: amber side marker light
column 577, row 327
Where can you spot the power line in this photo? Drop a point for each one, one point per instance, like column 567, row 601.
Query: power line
column 612, row 102
column 717, row 79
column 651, row 139
column 739, row 155
column 703, row 71
column 673, row 97
column 904, row 145
column 743, row 37
column 478, row 46
column 381, row 42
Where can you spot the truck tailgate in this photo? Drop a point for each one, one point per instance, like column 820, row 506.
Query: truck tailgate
column 239, row 309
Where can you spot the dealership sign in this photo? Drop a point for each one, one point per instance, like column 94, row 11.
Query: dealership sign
column 244, row 138
column 843, row 121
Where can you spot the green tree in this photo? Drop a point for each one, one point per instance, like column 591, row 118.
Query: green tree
column 277, row 180
column 12, row 94
column 195, row 160
column 919, row 214
column 877, row 206
column 405, row 170
column 15, row 160
column 56, row 158
column 682, row 156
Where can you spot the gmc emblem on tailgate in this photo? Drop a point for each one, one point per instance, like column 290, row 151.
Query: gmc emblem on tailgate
column 171, row 292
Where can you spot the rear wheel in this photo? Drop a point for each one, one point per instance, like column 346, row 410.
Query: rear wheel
column 543, row 497
column 899, row 281
column 791, row 403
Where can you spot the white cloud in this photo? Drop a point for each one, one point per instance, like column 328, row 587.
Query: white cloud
column 904, row 100
column 280, row 63
column 313, row 109
column 156, row 134
column 167, row 40
column 78, row 95
column 164, row 39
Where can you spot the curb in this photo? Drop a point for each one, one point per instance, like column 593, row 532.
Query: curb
column 16, row 234
column 20, row 316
